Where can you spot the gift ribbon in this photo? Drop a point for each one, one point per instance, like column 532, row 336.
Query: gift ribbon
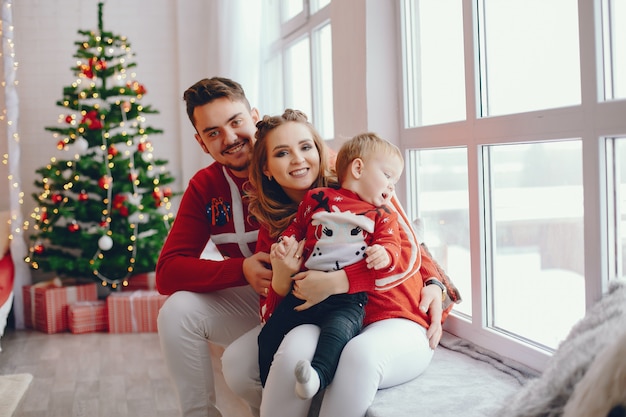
column 133, row 319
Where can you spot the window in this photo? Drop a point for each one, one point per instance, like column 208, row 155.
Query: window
column 614, row 48
column 298, row 66
column 616, row 176
column 521, row 188
column 529, row 57
column 290, row 9
column 438, row 181
column 297, row 77
column 433, row 71
column 535, row 230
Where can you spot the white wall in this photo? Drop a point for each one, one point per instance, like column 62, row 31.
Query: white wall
column 172, row 47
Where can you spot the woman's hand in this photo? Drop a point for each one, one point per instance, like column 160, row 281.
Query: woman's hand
column 431, row 303
column 315, row 286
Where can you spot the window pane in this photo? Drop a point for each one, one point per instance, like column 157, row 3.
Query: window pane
column 536, row 228
column 298, row 77
column 614, row 38
column 290, row 9
column 317, row 5
column 438, row 195
column 323, row 116
column 434, row 69
column 529, row 55
column 617, row 170
column 272, row 86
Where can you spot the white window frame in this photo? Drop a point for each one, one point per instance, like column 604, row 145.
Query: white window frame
column 592, row 121
column 303, row 25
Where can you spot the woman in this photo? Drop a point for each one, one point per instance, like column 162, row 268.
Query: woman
column 398, row 341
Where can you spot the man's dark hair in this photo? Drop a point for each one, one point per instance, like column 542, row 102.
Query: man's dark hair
column 209, row 89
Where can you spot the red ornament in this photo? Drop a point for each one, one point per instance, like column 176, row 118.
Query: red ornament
column 167, row 192
column 142, row 146
column 38, row 249
column 69, row 118
column 85, row 70
column 83, row 196
column 132, row 177
column 43, row 216
column 73, row 227
column 61, row 145
column 105, row 182
column 92, row 120
column 57, row 198
column 113, row 150
column 93, row 64
column 118, row 204
column 118, row 201
column 139, row 89
column 157, row 195
column 98, row 65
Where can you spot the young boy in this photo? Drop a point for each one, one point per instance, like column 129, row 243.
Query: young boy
column 340, row 227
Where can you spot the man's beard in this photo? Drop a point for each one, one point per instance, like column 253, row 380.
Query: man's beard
column 238, row 168
column 243, row 166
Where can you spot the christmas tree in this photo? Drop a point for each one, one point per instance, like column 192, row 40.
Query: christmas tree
column 104, row 211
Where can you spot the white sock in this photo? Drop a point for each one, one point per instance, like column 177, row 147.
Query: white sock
column 307, row 380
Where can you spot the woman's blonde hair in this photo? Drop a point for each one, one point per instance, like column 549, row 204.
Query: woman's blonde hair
column 267, row 201
column 363, row 146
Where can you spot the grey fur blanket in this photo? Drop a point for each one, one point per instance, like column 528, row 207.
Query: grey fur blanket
column 547, row 395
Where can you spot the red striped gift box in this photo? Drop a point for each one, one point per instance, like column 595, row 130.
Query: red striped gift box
column 144, row 281
column 134, row 312
column 45, row 304
column 88, row 317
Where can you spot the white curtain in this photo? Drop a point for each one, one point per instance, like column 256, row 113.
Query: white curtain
column 240, row 24
column 11, row 106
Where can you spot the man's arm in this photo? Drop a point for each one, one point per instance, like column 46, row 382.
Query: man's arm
column 179, row 266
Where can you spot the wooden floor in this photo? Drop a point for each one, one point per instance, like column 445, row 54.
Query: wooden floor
column 98, row 375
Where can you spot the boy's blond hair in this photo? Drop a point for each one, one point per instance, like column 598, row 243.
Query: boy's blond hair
column 363, row 146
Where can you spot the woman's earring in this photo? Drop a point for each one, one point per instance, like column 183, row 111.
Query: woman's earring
column 270, row 178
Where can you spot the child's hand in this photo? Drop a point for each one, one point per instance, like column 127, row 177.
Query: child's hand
column 287, row 254
column 279, row 249
column 377, row 257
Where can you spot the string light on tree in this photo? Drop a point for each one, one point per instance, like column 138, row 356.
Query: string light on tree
column 98, row 194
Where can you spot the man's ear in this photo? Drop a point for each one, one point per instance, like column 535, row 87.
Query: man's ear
column 202, row 145
column 356, row 167
column 254, row 112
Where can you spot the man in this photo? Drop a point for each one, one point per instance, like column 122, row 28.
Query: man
column 211, row 300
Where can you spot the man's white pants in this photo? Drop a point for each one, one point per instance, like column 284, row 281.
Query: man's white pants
column 187, row 322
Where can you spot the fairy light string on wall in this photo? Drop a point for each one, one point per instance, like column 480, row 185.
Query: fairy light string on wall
column 10, row 116
column 110, row 196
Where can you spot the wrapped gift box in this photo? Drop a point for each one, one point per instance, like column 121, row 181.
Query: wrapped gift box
column 88, row 317
column 145, row 281
column 134, row 312
column 45, row 304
